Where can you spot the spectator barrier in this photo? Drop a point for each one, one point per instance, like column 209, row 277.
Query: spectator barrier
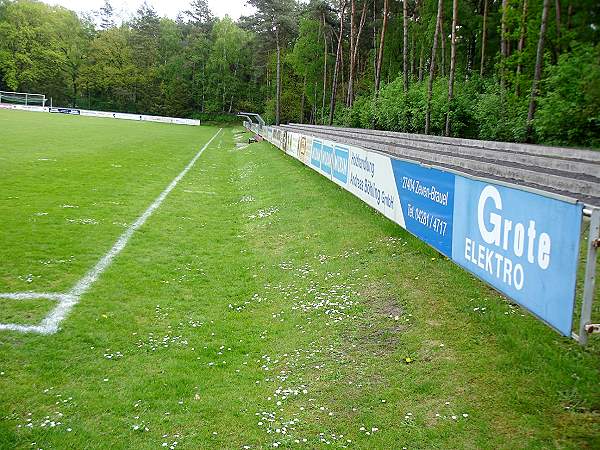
column 522, row 242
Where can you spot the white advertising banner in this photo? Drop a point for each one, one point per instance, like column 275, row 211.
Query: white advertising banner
column 104, row 114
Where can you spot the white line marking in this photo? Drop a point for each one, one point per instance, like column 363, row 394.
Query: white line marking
column 32, row 295
column 66, row 301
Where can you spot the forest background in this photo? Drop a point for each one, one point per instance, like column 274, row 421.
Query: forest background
column 510, row 70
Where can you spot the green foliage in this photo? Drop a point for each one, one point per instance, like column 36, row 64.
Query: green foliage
column 307, row 60
column 216, row 118
column 200, row 64
column 28, row 45
column 477, row 111
column 392, row 108
column 361, row 115
column 569, row 112
column 226, row 61
column 462, row 108
column 396, row 110
column 500, row 116
column 111, row 73
column 152, row 65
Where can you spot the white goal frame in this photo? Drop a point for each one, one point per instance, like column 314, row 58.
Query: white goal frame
column 23, row 98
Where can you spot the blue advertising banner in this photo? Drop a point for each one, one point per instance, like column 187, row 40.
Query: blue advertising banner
column 427, row 200
column 523, row 244
column 315, row 155
column 326, row 158
column 340, row 163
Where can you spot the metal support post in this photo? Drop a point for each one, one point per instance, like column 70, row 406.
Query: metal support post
column 585, row 327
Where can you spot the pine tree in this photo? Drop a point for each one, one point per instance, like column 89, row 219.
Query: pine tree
column 106, row 15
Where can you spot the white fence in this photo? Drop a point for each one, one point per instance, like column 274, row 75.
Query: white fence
column 103, row 114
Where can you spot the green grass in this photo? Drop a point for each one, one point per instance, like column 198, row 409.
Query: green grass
column 259, row 297
column 27, row 312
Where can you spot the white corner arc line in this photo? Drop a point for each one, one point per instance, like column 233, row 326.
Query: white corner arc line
column 67, row 300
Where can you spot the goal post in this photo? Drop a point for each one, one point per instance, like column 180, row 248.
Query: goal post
column 22, row 98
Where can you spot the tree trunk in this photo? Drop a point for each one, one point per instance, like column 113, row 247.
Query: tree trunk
column 203, row 92
column 74, row 91
column 483, row 38
column 374, row 41
column 432, row 64
column 278, row 87
column 521, row 46
column 302, row 103
column 223, row 99
column 413, row 56
column 558, row 22
column 361, row 25
column 569, row 16
column 381, row 47
column 351, row 55
column 313, row 119
column 421, row 63
column 337, row 65
column 471, row 55
column 452, row 63
column 538, row 70
column 341, row 69
column 503, row 42
column 237, row 63
column 324, row 80
column 504, row 30
column 405, row 43
column 443, row 52
column 354, row 47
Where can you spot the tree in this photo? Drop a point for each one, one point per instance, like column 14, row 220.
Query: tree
column 106, row 16
column 225, row 64
column 110, row 72
column 292, row 60
column 438, row 23
column 29, row 49
column 483, row 38
column 354, row 47
column 307, row 62
column 196, row 54
column 521, row 45
column 199, row 13
column 569, row 111
column 381, row 46
column 275, row 18
column 145, row 38
column 405, row 43
column 338, row 59
column 73, row 42
column 538, row 69
column 452, row 63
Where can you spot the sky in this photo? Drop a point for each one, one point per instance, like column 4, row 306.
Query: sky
column 168, row 8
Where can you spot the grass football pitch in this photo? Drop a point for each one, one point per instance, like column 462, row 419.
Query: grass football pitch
column 257, row 306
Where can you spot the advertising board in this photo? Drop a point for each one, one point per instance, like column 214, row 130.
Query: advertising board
column 71, row 111
column 524, row 244
column 106, row 114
